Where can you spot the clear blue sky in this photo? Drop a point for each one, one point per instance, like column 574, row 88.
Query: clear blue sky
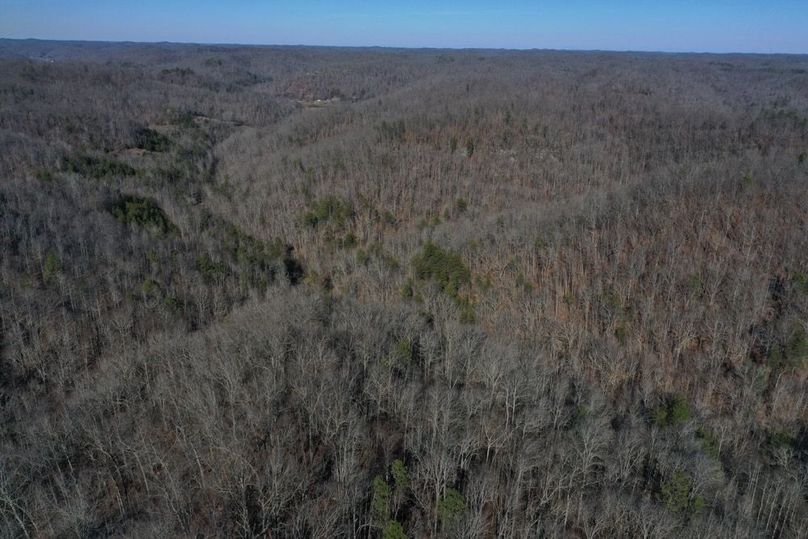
column 659, row 25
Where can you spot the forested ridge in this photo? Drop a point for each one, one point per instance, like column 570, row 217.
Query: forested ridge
column 323, row 292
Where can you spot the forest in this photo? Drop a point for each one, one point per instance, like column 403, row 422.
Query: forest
column 254, row 291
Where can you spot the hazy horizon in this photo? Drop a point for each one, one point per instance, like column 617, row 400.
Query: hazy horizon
column 714, row 26
column 393, row 47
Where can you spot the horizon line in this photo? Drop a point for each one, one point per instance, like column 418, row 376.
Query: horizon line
column 404, row 47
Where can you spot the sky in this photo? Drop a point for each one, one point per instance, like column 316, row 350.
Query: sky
column 638, row 25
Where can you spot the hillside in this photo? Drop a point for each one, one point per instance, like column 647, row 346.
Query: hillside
column 314, row 292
